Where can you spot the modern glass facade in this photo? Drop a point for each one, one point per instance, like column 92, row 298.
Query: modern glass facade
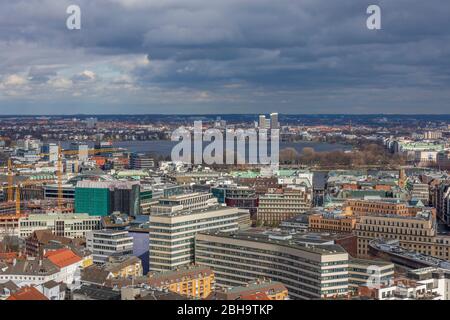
column 94, row 201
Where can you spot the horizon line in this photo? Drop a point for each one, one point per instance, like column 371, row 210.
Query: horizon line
column 224, row 114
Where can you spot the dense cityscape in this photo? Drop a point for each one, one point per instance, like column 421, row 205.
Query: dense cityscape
column 238, row 159
column 95, row 208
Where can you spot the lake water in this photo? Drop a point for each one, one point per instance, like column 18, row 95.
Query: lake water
column 164, row 147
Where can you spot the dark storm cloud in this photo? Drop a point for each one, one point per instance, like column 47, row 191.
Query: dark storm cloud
column 288, row 55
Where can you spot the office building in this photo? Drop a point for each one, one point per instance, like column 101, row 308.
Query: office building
column 365, row 207
column 262, row 122
column 242, row 197
column 109, row 243
column 172, row 234
column 188, row 201
column 106, row 146
column 419, row 191
column 274, row 124
column 369, row 272
column 413, row 233
column 281, row 204
column 83, row 150
column 308, row 271
column 66, row 225
column 50, row 151
column 139, row 161
column 51, row 192
column 9, row 225
column 101, row 198
column 331, row 222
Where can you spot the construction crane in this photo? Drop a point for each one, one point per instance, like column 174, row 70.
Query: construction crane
column 10, row 180
column 17, row 190
column 60, row 202
column 11, row 195
column 59, row 173
column 60, row 167
column 11, row 167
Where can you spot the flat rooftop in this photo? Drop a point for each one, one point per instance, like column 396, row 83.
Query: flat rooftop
column 264, row 236
column 191, row 212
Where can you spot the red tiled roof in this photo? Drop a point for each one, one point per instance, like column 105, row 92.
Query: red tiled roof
column 255, row 296
column 8, row 255
column 27, row 293
column 62, row 257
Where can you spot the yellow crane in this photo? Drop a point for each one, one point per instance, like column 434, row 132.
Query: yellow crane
column 11, row 195
column 10, row 180
column 11, row 167
column 17, row 190
column 60, row 168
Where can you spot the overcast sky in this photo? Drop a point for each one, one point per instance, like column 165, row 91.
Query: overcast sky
column 224, row 56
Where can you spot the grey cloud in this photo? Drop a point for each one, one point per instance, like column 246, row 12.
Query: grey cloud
column 302, row 55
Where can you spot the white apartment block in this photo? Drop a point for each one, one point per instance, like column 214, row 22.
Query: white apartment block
column 190, row 201
column 66, row 225
column 109, row 243
column 172, row 236
column 309, row 272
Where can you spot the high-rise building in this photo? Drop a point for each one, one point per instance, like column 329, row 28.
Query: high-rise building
column 308, row 271
column 189, row 201
column 83, row 150
column 262, row 121
column 50, row 151
column 172, row 235
column 101, row 198
column 274, row 124
column 91, row 123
